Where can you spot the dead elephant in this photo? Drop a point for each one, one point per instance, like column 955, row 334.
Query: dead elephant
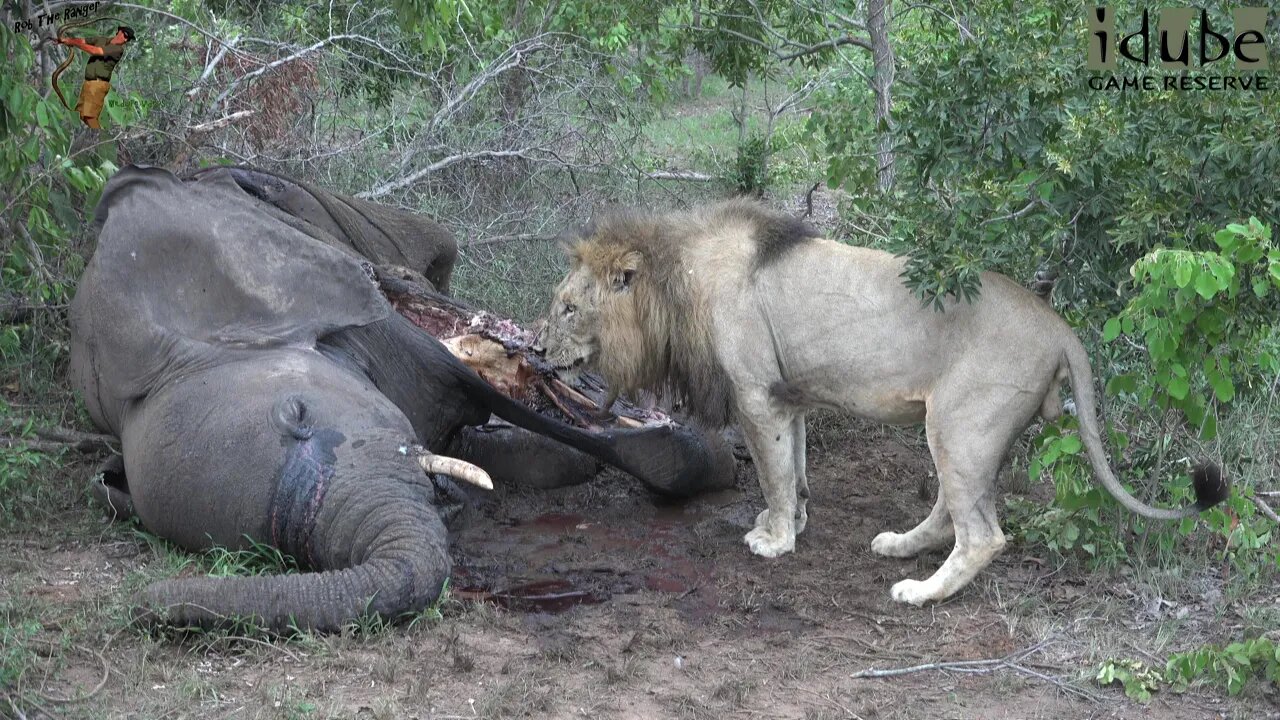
column 263, row 389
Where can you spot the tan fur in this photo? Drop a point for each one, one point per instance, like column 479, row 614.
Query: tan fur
column 741, row 312
column 656, row 333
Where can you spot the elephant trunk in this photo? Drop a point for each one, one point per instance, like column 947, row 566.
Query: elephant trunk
column 376, row 549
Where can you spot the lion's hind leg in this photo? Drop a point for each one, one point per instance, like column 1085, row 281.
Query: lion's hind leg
column 968, row 453
column 802, row 478
column 770, row 437
column 934, row 531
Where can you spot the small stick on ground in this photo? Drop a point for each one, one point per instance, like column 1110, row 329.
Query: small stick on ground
column 52, row 439
column 979, row 667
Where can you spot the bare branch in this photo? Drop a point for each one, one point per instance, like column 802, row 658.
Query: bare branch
column 1008, row 662
column 522, row 237
column 827, row 45
column 443, row 163
column 964, row 31
column 680, row 175
column 1015, row 214
column 220, row 122
column 275, row 64
column 208, row 69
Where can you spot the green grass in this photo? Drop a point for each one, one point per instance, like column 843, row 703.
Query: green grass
column 701, row 134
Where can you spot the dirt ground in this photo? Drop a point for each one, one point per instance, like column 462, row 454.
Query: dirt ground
column 595, row 601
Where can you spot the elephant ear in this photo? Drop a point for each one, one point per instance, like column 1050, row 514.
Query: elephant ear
column 206, row 262
column 188, row 275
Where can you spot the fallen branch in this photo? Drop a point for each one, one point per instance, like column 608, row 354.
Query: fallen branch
column 524, row 237
column 981, row 667
column 54, row 439
column 220, row 122
column 213, row 63
column 1266, row 509
column 681, row 175
column 17, row 313
column 441, row 164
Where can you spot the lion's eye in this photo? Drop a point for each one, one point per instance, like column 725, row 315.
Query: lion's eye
column 569, row 310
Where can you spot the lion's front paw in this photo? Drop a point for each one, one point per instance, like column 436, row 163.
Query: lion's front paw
column 766, row 544
column 915, row 592
column 891, row 544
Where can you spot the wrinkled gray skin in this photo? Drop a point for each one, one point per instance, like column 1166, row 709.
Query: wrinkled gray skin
column 384, row 235
column 263, row 389
column 422, row 251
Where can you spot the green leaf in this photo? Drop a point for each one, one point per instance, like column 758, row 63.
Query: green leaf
column 1260, row 287
column 1178, row 387
column 1183, row 272
column 1206, row 285
column 1070, row 445
column 1210, row 429
column 1111, row 330
column 1122, row 383
column 1223, row 388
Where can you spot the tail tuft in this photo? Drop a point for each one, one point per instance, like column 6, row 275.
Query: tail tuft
column 1211, row 488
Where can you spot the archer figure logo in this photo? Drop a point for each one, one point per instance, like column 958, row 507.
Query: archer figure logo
column 104, row 53
column 1172, row 42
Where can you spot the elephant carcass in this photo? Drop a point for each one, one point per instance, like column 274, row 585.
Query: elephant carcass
column 264, row 391
column 422, row 249
column 671, row 458
column 507, row 356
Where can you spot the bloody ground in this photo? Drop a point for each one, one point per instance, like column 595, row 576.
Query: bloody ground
column 599, row 601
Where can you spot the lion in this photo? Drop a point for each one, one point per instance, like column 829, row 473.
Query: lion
column 750, row 315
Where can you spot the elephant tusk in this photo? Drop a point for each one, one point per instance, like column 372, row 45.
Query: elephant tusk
column 453, row 467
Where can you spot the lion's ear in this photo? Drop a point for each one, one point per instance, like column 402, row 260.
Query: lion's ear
column 625, row 271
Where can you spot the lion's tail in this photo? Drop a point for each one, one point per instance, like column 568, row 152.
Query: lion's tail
column 1207, row 479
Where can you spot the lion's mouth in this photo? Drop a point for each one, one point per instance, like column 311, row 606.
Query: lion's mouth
column 569, row 373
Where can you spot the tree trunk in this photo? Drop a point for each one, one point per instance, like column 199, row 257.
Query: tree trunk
column 882, row 85
column 740, row 113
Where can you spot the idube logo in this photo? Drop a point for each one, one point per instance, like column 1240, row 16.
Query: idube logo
column 1176, row 46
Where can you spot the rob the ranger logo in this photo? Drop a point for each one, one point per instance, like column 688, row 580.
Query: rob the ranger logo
column 1172, row 43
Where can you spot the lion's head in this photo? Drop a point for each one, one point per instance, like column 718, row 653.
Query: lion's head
column 627, row 311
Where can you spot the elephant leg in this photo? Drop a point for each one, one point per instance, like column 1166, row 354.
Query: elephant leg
column 514, row 456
